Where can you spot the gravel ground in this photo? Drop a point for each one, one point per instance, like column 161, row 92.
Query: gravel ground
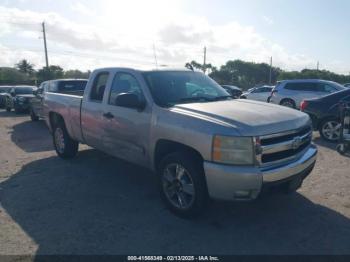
column 96, row 204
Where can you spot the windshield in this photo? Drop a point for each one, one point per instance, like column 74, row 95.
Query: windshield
column 4, row 89
column 24, row 90
column 169, row 88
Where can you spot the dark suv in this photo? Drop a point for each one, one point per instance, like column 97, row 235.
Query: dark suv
column 18, row 98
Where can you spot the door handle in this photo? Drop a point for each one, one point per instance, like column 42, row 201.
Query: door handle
column 108, row 115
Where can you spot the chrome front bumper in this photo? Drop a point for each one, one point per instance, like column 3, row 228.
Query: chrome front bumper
column 227, row 182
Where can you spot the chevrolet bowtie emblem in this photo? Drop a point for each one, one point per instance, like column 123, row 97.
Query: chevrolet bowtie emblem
column 296, row 142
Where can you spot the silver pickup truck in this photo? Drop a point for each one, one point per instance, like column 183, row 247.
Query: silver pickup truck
column 187, row 129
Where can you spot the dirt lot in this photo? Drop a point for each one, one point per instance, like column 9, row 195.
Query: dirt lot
column 96, row 204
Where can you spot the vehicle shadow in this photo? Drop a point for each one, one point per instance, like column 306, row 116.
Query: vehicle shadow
column 321, row 142
column 96, row 204
column 333, row 146
column 31, row 136
column 4, row 113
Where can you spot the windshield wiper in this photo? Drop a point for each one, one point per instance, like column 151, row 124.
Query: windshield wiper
column 194, row 99
column 221, row 98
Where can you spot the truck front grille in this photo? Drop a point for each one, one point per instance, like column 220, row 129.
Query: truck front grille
column 281, row 147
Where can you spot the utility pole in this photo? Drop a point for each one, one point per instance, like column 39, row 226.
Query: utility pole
column 270, row 76
column 155, row 55
column 318, row 65
column 205, row 58
column 45, row 46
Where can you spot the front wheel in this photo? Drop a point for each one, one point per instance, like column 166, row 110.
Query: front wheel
column 183, row 185
column 65, row 146
column 33, row 116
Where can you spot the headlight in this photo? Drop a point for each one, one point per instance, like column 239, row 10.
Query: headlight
column 233, row 150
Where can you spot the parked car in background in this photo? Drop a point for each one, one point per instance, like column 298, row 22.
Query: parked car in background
column 347, row 85
column 259, row 93
column 200, row 142
column 324, row 113
column 18, row 98
column 63, row 86
column 234, row 91
column 290, row 93
column 3, row 91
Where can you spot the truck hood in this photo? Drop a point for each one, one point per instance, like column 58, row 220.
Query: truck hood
column 248, row 117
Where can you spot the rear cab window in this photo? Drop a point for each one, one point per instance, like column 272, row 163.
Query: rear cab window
column 99, row 86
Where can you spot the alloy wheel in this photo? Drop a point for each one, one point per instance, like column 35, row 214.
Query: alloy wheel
column 331, row 130
column 178, row 186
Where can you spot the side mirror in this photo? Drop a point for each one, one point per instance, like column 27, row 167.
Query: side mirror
column 130, row 101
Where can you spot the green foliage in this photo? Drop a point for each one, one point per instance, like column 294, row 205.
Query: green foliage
column 12, row 76
column 244, row 74
column 25, row 67
column 50, row 73
column 76, row 74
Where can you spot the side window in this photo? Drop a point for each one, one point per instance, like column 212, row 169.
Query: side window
column 99, row 86
column 124, row 83
column 328, row 88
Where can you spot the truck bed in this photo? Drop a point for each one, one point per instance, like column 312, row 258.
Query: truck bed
column 68, row 106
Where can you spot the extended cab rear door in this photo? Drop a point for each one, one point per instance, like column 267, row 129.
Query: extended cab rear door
column 92, row 109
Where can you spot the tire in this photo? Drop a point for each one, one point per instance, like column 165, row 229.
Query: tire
column 329, row 129
column 8, row 109
column 182, row 184
column 342, row 149
column 243, row 97
column 65, row 146
column 33, row 116
column 17, row 110
column 288, row 103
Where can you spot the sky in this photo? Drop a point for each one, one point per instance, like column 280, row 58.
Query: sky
column 157, row 33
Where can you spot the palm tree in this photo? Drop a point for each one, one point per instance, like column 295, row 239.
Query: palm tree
column 25, row 67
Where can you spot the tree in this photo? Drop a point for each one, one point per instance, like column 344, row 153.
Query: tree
column 12, row 76
column 25, row 67
column 52, row 72
column 76, row 74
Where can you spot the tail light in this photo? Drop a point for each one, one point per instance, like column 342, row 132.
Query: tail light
column 303, row 105
column 273, row 92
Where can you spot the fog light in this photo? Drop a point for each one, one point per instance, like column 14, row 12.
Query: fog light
column 242, row 194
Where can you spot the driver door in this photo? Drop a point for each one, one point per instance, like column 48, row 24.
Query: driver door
column 126, row 130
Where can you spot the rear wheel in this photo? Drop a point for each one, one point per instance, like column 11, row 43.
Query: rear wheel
column 182, row 183
column 330, row 129
column 288, row 103
column 33, row 116
column 65, row 146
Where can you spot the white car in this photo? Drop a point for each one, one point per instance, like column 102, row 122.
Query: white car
column 259, row 94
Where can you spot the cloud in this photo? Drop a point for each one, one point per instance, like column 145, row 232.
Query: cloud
column 268, row 20
column 126, row 38
column 82, row 9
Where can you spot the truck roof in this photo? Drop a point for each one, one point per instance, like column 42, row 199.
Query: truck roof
column 162, row 69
